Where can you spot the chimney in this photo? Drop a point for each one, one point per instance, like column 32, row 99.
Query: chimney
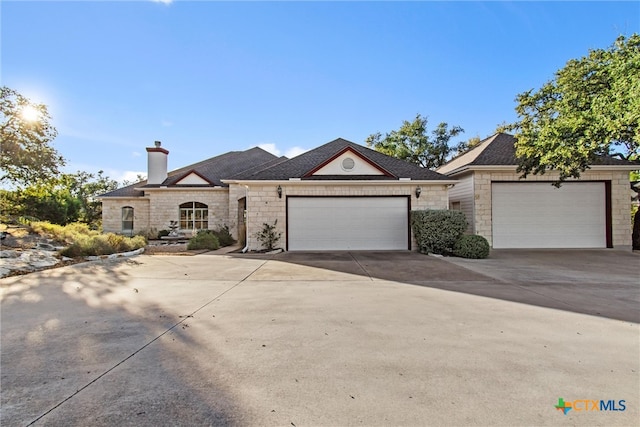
column 156, row 164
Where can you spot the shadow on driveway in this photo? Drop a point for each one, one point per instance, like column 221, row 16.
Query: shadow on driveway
column 69, row 337
column 602, row 283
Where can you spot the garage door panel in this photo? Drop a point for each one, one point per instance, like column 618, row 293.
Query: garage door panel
column 347, row 223
column 538, row 215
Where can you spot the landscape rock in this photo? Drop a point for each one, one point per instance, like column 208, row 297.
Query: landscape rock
column 9, row 254
column 46, row 247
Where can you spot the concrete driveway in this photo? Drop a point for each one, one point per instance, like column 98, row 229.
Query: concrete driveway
column 323, row 339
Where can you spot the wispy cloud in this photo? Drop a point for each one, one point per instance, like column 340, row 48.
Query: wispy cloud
column 135, row 154
column 166, row 123
column 129, row 176
column 271, row 148
column 115, row 174
column 295, row 151
column 162, row 1
column 289, row 152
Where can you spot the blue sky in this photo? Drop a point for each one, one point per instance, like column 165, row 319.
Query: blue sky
column 209, row 77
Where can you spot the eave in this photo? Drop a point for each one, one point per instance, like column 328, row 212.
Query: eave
column 181, row 188
column 343, row 182
column 513, row 168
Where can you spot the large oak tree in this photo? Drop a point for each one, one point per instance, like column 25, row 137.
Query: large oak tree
column 590, row 108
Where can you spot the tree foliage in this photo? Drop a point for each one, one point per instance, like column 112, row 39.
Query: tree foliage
column 412, row 143
column 85, row 187
column 41, row 201
column 68, row 198
column 590, row 108
column 26, row 155
column 465, row 146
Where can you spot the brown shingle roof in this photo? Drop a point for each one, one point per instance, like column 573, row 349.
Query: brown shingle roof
column 213, row 170
column 301, row 165
column 499, row 150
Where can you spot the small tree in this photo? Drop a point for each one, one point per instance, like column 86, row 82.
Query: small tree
column 412, row 143
column 268, row 236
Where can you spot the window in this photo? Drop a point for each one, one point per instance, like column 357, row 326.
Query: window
column 348, row 164
column 127, row 220
column 194, row 216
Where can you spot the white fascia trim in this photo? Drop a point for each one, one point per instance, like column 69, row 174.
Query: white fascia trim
column 122, row 198
column 182, row 189
column 345, row 182
column 500, row 168
column 615, row 167
column 468, row 168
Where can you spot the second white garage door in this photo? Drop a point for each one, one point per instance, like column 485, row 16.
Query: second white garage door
column 348, row 223
column 538, row 215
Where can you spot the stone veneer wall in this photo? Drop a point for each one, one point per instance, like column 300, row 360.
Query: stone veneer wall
column 166, row 205
column 112, row 214
column 264, row 206
column 620, row 200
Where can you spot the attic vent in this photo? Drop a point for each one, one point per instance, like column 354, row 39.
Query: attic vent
column 348, row 164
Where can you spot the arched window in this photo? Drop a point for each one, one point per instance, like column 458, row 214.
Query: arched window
column 127, row 220
column 194, row 216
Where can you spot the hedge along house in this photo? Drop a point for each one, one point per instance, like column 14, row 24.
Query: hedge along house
column 339, row 196
column 590, row 212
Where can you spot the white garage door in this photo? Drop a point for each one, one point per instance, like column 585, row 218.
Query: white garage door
column 538, row 215
column 348, row 223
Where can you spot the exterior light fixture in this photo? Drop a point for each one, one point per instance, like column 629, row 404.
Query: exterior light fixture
column 279, row 190
column 418, row 192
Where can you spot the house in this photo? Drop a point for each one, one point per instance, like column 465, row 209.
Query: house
column 339, row 196
column 590, row 212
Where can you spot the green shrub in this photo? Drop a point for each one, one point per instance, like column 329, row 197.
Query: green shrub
column 224, row 236
column 436, row 231
column 268, row 236
column 103, row 244
column 163, row 233
column 471, row 246
column 205, row 239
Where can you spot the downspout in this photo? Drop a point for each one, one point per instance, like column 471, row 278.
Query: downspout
column 246, row 218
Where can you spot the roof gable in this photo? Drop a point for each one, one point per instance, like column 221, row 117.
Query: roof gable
column 192, row 178
column 306, row 165
column 348, row 162
column 470, row 156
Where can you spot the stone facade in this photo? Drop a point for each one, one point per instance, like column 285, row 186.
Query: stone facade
column 165, row 204
column 620, row 201
column 112, row 214
column 264, row 205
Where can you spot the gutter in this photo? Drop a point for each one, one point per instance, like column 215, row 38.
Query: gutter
column 246, row 225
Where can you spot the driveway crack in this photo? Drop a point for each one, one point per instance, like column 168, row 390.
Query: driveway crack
column 361, row 266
